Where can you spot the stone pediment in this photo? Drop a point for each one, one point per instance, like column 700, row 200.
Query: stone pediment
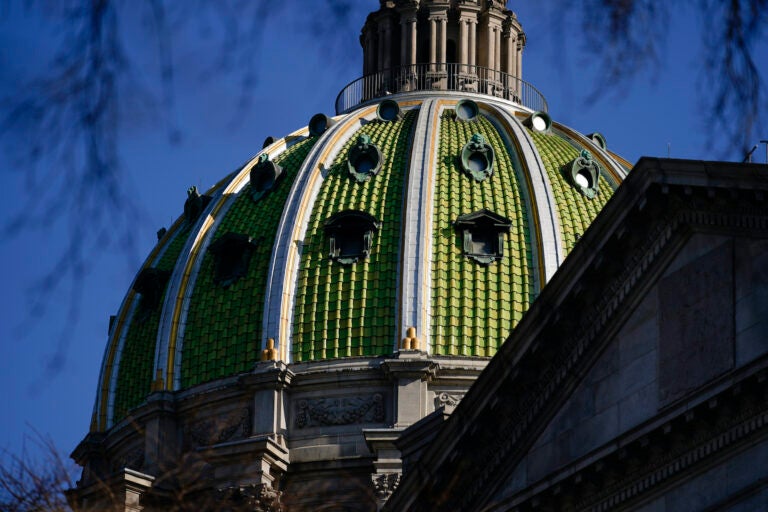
column 649, row 325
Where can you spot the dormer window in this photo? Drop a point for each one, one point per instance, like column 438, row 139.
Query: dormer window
column 350, row 235
column 232, row 253
column 265, row 176
column 583, row 173
column 483, row 235
column 150, row 284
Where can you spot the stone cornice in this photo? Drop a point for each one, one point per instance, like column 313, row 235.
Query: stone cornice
column 545, row 357
column 411, row 364
column 268, row 375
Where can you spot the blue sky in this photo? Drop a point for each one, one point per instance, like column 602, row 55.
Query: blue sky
column 297, row 77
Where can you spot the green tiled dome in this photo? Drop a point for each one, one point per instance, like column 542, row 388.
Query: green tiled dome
column 337, row 263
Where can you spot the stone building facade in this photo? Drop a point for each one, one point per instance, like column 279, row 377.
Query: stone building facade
column 308, row 334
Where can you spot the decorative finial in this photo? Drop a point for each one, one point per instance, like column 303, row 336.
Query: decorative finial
column 269, row 353
column 410, row 342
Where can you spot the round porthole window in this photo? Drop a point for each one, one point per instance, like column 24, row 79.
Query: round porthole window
column 583, row 173
column 598, row 139
column 388, row 110
column 467, row 110
column 539, row 122
column 477, row 158
column 364, row 159
column 265, row 176
column 318, row 124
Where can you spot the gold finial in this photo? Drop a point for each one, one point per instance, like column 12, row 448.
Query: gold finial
column 269, row 353
column 410, row 342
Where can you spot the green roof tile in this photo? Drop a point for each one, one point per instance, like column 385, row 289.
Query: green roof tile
column 333, row 295
column 134, row 378
column 232, row 315
column 467, row 320
column 575, row 211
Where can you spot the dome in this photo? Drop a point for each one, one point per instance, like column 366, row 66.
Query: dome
column 398, row 241
column 455, row 254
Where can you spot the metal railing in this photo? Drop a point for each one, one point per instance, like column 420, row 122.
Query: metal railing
column 440, row 77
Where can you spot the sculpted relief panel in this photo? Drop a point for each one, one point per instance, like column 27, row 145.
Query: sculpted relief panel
column 316, row 412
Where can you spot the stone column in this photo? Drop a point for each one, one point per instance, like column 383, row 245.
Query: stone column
column 387, row 63
column 497, row 47
column 411, row 371
column 511, row 55
column 412, row 46
column 443, row 42
column 519, row 58
column 463, row 43
column 490, row 51
column 432, row 44
column 404, row 36
column 380, row 60
column 472, row 43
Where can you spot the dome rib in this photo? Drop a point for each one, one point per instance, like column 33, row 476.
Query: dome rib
column 574, row 210
column 349, row 310
column 223, row 325
column 416, row 242
column 171, row 332
column 543, row 243
column 465, row 321
column 284, row 264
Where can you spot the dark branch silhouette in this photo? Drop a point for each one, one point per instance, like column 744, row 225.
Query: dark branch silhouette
column 629, row 36
column 64, row 129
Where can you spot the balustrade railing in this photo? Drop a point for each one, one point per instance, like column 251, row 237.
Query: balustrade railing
column 440, row 77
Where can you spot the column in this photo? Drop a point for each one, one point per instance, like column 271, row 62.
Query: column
column 511, row 55
column 387, row 44
column 412, row 47
column 463, row 44
column 443, row 42
column 432, row 44
column 472, row 44
column 497, row 56
column 519, row 54
column 403, row 42
column 489, row 50
column 380, row 60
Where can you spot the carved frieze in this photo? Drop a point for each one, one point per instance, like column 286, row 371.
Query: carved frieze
column 340, row 411
column 233, row 426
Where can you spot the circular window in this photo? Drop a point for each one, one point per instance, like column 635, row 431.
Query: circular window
column 318, row 124
column 477, row 162
column 598, row 139
column 583, row 174
column 467, row 110
column 364, row 159
column 388, row 110
column 539, row 122
column 583, row 179
column 477, row 158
